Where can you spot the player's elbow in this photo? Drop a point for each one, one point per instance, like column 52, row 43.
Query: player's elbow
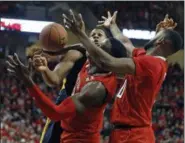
column 55, row 119
column 57, row 80
column 120, row 66
column 53, row 83
column 107, row 64
column 54, row 116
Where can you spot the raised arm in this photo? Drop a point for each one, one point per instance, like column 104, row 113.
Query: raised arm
column 110, row 23
column 91, row 95
column 99, row 56
column 56, row 76
column 166, row 24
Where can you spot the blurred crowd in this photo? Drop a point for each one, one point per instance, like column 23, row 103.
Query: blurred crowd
column 136, row 15
column 22, row 122
column 141, row 15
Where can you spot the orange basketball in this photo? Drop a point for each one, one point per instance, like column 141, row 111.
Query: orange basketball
column 53, row 37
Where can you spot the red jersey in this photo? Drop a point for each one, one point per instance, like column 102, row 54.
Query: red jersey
column 92, row 120
column 136, row 97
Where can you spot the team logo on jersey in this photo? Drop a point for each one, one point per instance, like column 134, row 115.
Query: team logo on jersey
column 122, row 89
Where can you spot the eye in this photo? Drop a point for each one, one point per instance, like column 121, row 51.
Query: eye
column 92, row 35
column 99, row 34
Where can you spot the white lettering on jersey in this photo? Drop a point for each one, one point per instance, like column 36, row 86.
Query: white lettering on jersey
column 164, row 76
column 122, row 89
column 77, row 85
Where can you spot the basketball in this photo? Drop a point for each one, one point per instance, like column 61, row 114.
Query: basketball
column 53, row 37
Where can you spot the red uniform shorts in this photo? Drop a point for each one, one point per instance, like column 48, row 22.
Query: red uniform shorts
column 132, row 135
column 79, row 137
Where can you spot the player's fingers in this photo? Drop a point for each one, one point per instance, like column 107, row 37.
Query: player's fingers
column 99, row 25
column 67, row 22
column 109, row 15
column 81, row 18
column 171, row 21
column 175, row 25
column 115, row 14
column 101, row 21
column 39, row 52
column 11, row 60
column 9, row 64
column 30, row 65
column 11, row 71
column 72, row 14
column 66, row 18
column 104, row 18
column 166, row 17
column 36, row 62
column 37, row 56
column 36, row 59
column 67, row 25
column 16, row 58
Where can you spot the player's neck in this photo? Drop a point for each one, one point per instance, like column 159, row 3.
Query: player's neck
column 93, row 69
column 156, row 52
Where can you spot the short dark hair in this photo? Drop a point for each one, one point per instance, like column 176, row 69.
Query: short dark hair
column 107, row 31
column 175, row 38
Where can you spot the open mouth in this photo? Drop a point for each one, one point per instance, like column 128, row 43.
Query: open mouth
column 97, row 44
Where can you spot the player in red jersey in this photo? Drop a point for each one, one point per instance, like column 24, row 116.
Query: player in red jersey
column 110, row 23
column 131, row 113
column 81, row 115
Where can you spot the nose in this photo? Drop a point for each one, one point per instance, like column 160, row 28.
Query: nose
column 95, row 36
column 95, row 40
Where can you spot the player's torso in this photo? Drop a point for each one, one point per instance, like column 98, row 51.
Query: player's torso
column 134, row 101
column 91, row 120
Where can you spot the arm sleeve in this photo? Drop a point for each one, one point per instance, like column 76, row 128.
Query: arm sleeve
column 148, row 66
column 55, row 112
column 138, row 52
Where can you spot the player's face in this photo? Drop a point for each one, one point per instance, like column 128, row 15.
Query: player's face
column 156, row 41
column 97, row 36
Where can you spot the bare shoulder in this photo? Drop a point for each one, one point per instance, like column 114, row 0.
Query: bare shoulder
column 93, row 94
column 73, row 55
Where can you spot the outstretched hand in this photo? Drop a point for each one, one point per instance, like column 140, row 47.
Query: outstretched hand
column 40, row 63
column 17, row 68
column 167, row 23
column 75, row 23
column 108, row 21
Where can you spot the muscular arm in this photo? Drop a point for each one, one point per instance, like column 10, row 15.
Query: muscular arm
column 120, row 66
column 55, row 77
column 92, row 95
column 117, row 34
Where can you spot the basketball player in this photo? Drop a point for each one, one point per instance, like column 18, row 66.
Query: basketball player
column 52, row 130
column 81, row 115
column 110, row 23
column 53, row 78
column 131, row 113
